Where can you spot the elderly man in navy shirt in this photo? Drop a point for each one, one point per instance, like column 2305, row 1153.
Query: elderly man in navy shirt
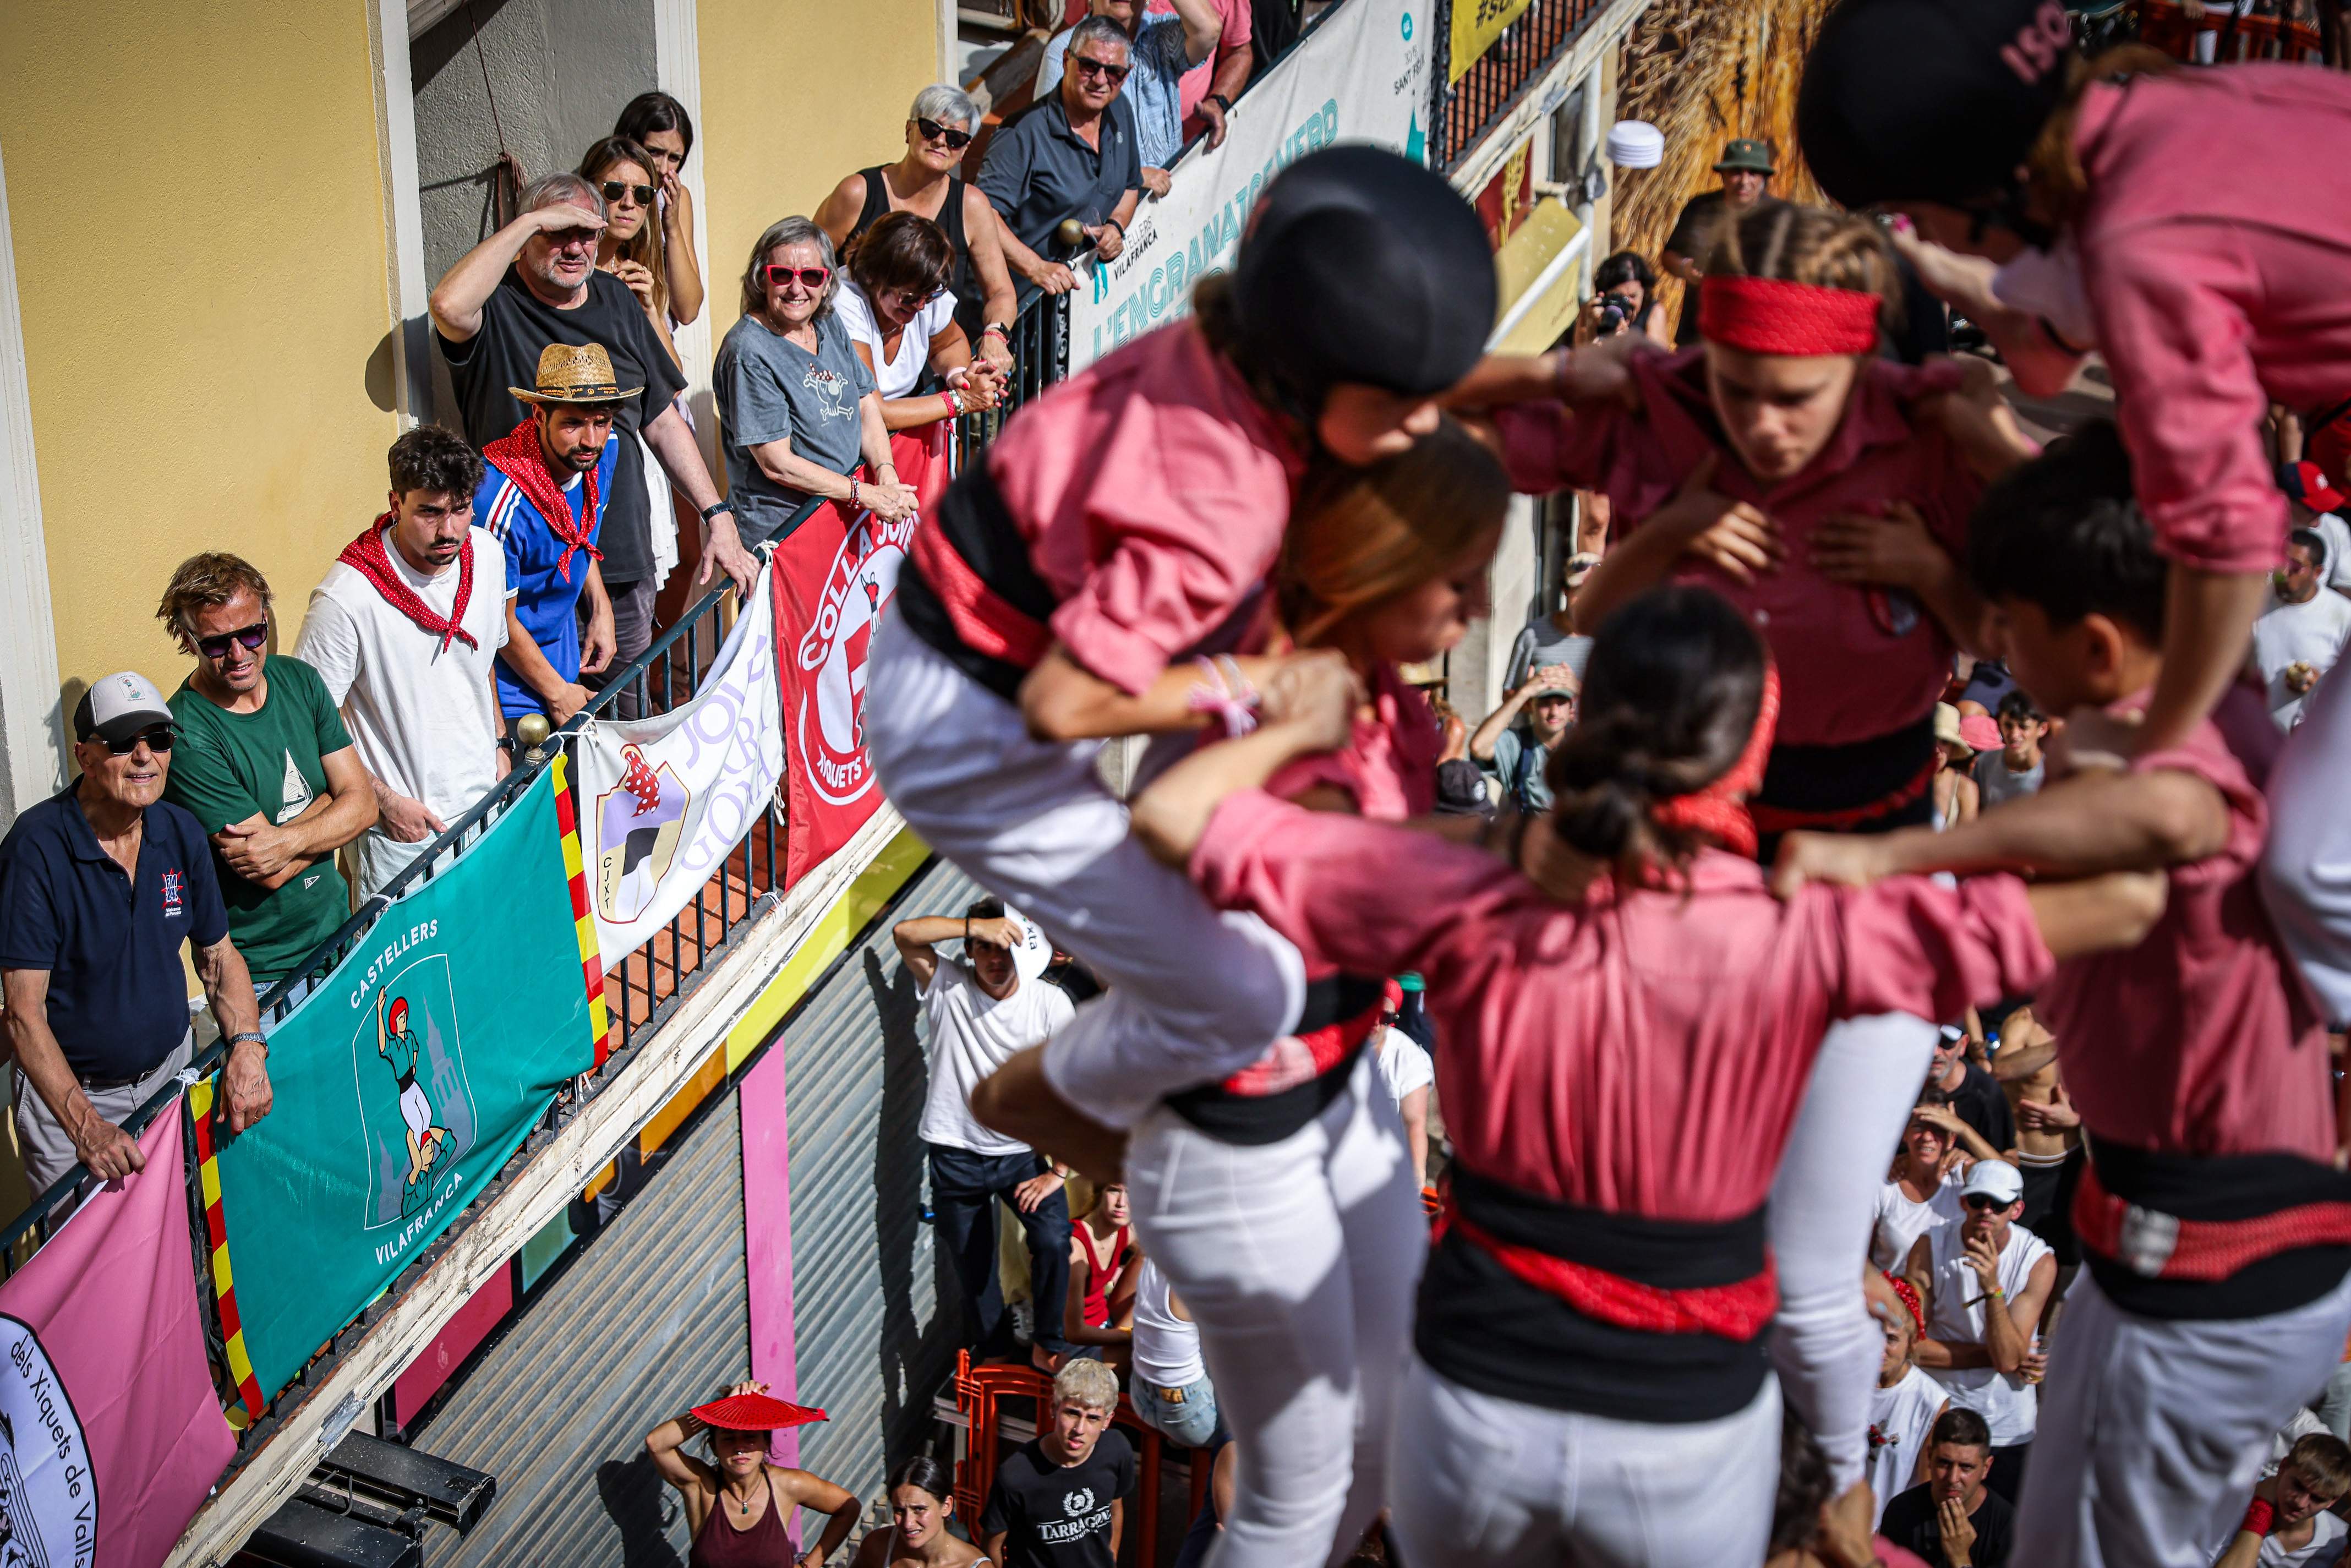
column 99, row 886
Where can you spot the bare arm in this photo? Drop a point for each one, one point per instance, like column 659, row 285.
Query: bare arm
column 1074, row 1327
column 1202, row 27
column 457, row 300
column 995, row 1547
column 672, row 440
column 2208, row 624
column 109, row 1152
column 837, row 213
column 1117, row 1524
column 245, row 1075
column 1490, row 729
column 684, row 268
column 917, row 942
column 665, row 1445
column 272, row 855
column 1062, row 700
column 2079, row 826
column 983, row 237
column 820, row 1496
column 2008, row 1335
column 1307, row 710
column 1415, row 1108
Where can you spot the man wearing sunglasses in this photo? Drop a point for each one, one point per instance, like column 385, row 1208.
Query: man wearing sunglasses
column 1163, row 50
column 1984, row 1281
column 1070, row 156
column 263, row 765
column 100, row 886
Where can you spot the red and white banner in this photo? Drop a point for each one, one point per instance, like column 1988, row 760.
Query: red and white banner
column 833, row 574
column 110, row 1434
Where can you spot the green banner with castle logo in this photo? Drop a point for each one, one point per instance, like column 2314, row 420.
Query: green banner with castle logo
column 402, row 1084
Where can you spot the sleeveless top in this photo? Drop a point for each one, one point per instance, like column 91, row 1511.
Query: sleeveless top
column 1099, row 1271
column 718, row 1545
column 2008, row 1404
column 1166, row 1347
column 960, row 282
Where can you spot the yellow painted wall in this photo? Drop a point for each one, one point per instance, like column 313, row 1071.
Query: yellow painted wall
column 196, row 204
column 795, row 95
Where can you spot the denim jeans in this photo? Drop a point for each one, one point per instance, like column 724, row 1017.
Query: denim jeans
column 1190, row 1421
column 965, row 1190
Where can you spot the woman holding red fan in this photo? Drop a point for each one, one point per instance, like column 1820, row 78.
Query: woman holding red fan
column 739, row 1507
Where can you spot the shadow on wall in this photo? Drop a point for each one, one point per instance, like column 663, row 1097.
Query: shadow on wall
column 639, row 1506
column 908, row 1353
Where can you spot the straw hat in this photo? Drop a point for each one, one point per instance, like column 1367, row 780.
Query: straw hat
column 576, row 372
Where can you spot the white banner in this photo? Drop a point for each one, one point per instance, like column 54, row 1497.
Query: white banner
column 1361, row 76
column 663, row 800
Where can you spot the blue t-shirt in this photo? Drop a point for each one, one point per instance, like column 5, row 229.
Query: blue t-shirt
column 545, row 602
column 118, row 997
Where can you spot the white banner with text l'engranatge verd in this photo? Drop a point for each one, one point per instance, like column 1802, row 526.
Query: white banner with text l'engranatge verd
column 1361, row 76
column 663, row 800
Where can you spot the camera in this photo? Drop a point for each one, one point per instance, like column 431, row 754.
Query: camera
column 1614, row 313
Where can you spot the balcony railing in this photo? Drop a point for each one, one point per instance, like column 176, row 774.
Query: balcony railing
column 1462, row 113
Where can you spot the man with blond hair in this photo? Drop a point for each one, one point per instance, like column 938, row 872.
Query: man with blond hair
column 263, row 765
column 1058, row 1501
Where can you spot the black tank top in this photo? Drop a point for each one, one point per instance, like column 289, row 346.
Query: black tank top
column 950, row 218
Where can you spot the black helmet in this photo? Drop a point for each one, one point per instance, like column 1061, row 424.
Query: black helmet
column 1363, row 265
column 1936, row 100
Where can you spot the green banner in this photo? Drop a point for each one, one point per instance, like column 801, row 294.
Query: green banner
column 402, row 1084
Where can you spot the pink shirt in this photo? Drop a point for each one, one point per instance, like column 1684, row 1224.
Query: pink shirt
column 1846, row 672
column 1233, row 17
column 1153, row 490
column 1389, row 767
column 2201, row 1040
column 2212, row 251
column 1644, row 1051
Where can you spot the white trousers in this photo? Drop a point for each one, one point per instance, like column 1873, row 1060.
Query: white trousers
column 1299, row 1260
column 1484, row 1482
column 1195, row 995
column 2152, row 1433
column 1823, row 1202
column 2306, row 865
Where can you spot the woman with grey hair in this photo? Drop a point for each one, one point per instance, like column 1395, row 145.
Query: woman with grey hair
column 924, row 182
column 797, row 408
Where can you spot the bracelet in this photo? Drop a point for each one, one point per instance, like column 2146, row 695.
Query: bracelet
column 1230, row 697
column 237, row 1039
column 1220, row 97
column 713, row 509
column 955, row 402
column 999, row 331
column 854, row 503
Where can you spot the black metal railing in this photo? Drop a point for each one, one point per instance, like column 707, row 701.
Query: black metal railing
column 1461, row 113
column 1041, row 356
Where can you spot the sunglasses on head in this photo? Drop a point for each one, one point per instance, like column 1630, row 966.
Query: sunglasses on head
column 778, row 275
column 933, row 130
column 252, row 636
column 1114, row 74
column 156, row 737
column 644, row 194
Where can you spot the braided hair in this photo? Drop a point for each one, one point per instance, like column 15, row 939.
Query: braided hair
column 1811, row 245
column 1670, row 698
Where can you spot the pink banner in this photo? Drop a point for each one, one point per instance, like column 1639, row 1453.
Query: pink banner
column 768, row 1240
column 112, row 1432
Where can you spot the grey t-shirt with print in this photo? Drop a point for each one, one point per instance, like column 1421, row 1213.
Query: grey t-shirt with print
column 771, row 389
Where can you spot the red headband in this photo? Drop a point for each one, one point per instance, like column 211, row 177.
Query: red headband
column 1716, row 809
column 1908, row 1294
column 1769, row 315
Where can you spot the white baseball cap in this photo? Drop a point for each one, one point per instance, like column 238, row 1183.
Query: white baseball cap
column 1635, row 144
column 118, row 706
column 1995, row 1179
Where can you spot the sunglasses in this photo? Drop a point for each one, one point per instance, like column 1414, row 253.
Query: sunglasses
column 156, row 738
column 1114, row 74
column 252, row 636
column 778, row 275
column 933, row 130
column 644, row 194
column 1983, row 1201
column 908, row 299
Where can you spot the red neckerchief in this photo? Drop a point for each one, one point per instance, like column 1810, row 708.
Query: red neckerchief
column 517, row 456
column 372, row 557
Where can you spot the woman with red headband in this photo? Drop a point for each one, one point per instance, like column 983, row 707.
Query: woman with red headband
column 1619, row 1076
column 1825, row 491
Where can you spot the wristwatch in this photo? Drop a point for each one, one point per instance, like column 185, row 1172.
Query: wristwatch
column 1218, row 98
column 713, row 509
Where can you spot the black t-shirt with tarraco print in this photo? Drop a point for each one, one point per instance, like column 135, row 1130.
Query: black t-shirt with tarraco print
column 1058, row 1516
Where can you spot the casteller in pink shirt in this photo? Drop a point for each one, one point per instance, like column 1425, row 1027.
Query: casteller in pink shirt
column 1643, row 1051
column 1153, row 490
column 2212, row 247
column 2202, row 1039
column 1854, row 664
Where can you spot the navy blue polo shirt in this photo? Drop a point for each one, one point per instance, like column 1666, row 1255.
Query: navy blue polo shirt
column 118, row 995
column 1039, row 171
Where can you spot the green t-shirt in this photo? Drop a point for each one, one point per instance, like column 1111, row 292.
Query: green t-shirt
column 226, row 767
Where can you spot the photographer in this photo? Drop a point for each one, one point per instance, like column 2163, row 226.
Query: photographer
column 1625, row 301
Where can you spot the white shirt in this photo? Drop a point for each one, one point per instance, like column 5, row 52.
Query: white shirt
column 1899, row 1419
column 972, row 1035
column 424, row 718
column 1901, row 1221
column 903, row 371
column 2325, row 1549
column 2336, row 569
column 2311, row 633
column 2048, row 284
column 2010, row 1406
column 1166, row 1348
column 1404, row 1066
